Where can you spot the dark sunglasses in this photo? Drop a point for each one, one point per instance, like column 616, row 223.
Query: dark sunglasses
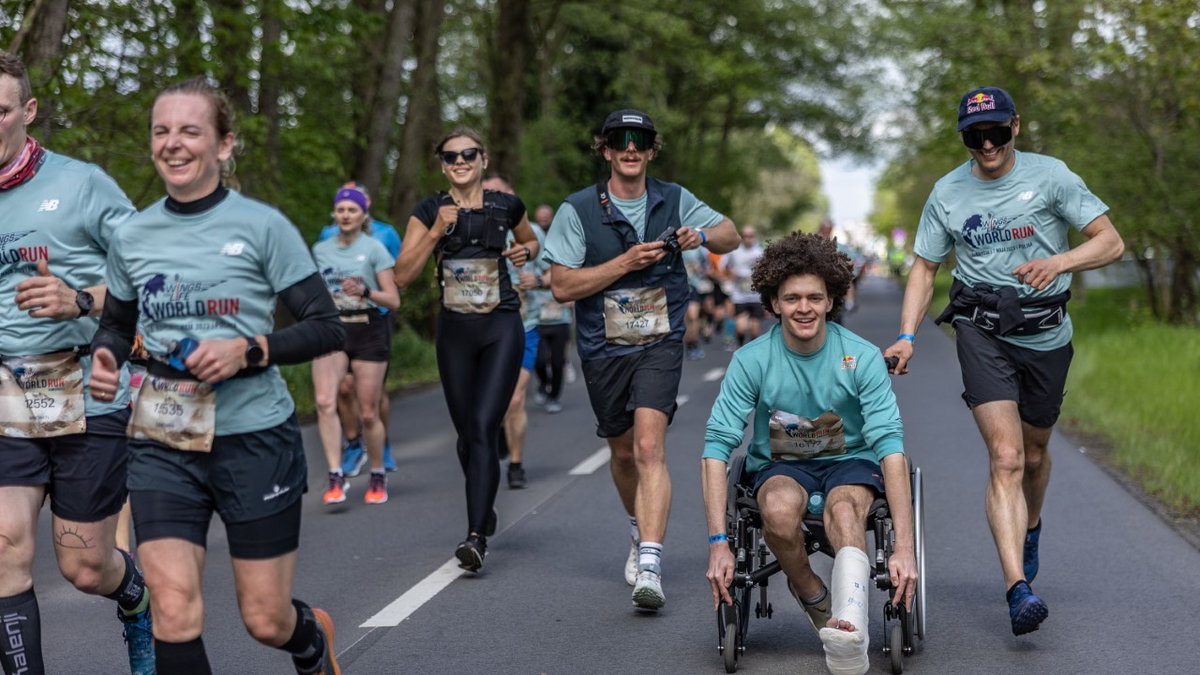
column 450, row 157
column 618, row 139
column 974, row 138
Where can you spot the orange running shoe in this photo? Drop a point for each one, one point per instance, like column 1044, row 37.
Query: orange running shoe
column 338, row 485
column 329, row 664
column 376, row 489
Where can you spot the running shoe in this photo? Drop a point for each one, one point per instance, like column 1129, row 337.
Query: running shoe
column 376, row 489
column 648, row 592
column 539, row 396
column 819, row 612
column 516, row 477
column 338, row 486
column 1031, row 552
column 328, row 664
column 631, row 564
column 553, row 406
column 389, row 462
column 353, row 458
column 1026, row 610
column 139, row 639
column 694, row 353
column 569, row 373
column 471, row 553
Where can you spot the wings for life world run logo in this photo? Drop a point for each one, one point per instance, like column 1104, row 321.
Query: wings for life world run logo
column 164, row 298
column 636, row 307
column 980, row 230
column 13, row 256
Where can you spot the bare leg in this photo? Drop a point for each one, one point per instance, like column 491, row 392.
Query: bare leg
column 516, row 420
column 1005, row 502
column 327, row 374
column 368, row 385
column 1037, row 470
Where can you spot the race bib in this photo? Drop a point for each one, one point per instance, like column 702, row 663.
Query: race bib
column 703, row 285
column 41, row 396
column 551, row 311
column 797, row 437
column 635, row 316
column 744, row 285
column 355, row 318
column 471, row 286
column 179, row 413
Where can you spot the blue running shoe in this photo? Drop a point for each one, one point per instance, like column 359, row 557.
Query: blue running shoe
column 139, row 639
column 353, row 458
column 389, row 462
column 1026, row 610
column 1031, row 552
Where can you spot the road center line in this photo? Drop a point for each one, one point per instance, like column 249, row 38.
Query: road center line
column 402, row 607
column 714, row 374
column 588, row 466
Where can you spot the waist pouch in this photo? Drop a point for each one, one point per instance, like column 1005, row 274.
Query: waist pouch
column 1001, row 312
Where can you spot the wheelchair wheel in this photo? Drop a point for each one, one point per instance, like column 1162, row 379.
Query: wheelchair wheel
column 896, row 648
column 918, row 496
column 730, row 640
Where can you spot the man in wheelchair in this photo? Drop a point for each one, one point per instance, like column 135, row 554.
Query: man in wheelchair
column 825, row 421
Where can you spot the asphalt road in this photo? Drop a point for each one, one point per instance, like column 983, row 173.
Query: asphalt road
column 1121, row 584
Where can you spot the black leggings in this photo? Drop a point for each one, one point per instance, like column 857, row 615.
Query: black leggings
column 552, row 357
column 479, row 359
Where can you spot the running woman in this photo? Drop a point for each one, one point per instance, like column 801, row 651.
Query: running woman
column 480, row 338
column 199, row 273
column 358, row 272
column 60, row 216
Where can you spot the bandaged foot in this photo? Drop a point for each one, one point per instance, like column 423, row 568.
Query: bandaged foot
column 845, row 636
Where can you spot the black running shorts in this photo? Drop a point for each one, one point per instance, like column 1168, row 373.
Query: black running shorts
column 645, row 379
column 995, row 370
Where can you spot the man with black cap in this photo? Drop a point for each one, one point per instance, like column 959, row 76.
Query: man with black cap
column 1006, row 215
column 615, row 251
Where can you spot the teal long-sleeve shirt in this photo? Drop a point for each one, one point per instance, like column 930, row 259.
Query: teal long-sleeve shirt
column 839, row 400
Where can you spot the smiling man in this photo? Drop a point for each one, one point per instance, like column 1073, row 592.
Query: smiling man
column 615, row 251
column 1006, row 215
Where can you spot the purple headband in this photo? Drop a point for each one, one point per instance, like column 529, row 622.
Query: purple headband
column 353, row 195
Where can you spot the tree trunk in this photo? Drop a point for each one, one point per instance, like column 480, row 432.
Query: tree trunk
column 423, row 122
column 232, row 39
column 510, row 62
column 1183, row 286
column 47, row 25
column 269, row 87
column 382, row 117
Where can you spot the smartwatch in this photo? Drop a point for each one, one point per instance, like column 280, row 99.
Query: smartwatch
column 254, row 352
column 85, row 302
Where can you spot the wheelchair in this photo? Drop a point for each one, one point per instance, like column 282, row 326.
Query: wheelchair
column 754, row 566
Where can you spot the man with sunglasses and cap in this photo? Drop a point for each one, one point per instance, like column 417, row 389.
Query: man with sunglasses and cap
column 615, row 249
column 1006, row 215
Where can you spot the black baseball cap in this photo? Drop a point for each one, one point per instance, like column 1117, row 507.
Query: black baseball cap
column 985, row 104
column 627, row 118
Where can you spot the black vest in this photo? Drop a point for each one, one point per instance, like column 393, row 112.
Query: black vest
column 608, row 236
column 480, row 233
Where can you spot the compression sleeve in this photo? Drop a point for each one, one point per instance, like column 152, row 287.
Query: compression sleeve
column 317, row 330
column 118, row 323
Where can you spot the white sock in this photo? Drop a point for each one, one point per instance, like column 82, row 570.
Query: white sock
column 650, row 556
column 846, row 651
column 633, row 530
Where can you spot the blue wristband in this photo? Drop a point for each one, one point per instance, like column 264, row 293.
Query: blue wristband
column 703, row 237
column 714, row 538
column 907, row 336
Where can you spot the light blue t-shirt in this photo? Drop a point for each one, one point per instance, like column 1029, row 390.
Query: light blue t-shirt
column 364, row 258
column 381, row 231
column 993, row 226
column 565, row 244
column 845, row 383
column 534, row 298
column 66, row 215
column 213, row 275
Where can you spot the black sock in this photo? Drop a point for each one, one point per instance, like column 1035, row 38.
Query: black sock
column 21, row 624
column 307, row 644
column 514, row 465
column 181, row 658
column 132, row 588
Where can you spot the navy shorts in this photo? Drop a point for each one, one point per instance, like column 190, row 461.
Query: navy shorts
column 529, row 358
column 645, row 379
column 822, row 475
column 84, row 474
column 371, row 340
column 995, row 370
column 754, row 309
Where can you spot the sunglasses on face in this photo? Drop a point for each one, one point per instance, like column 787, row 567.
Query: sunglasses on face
column 450, row 157
column 974, row 138
column 619, row 139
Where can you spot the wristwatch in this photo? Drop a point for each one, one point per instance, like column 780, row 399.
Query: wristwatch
column 254, row 352
column 85, row 302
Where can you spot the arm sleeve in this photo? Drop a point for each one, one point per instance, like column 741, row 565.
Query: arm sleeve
column 118, row 323
column 882, row 429
column 317, row 330
column 727, row 424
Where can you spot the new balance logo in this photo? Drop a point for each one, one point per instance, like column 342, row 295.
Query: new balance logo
column 233, row 248
column 48, row 205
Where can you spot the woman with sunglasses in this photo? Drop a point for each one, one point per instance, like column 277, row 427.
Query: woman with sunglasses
column 480, row 337
column 214, row 428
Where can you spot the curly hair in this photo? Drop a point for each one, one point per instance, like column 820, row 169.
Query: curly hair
column 801, row 253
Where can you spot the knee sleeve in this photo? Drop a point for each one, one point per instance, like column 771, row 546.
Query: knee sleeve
column 846, row 651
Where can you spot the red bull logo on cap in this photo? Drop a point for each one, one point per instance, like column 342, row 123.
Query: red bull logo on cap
column 979, row 103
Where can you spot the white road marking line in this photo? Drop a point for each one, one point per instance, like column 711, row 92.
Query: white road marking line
column 714, row 374
column 403, row 607
column 680, row 400
column 588, row 466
